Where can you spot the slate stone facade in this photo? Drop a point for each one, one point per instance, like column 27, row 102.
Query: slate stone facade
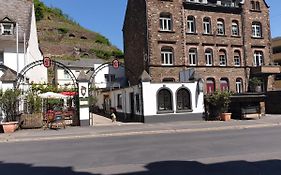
column 143, row 39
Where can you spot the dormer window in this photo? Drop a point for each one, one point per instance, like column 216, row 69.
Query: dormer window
column 6, row 28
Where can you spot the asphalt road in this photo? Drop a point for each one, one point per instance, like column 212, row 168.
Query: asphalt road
column 233, row 152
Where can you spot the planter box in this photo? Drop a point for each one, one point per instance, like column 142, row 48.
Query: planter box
column 9, row 127
column 30, row 121
column 225, row 116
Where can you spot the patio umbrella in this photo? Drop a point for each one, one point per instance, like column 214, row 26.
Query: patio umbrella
column 52, row 95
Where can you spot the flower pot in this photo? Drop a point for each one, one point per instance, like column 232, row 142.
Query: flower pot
column 225, row 116
column 9, row 127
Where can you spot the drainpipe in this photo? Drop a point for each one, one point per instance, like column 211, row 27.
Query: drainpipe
column 17, row 40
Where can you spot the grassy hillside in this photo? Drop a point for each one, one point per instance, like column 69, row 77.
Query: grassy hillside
column 62, row 38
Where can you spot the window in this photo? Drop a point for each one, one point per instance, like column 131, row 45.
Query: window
column 119, row 101
column 6, row 28
column 210, row 85
column 207, row 25
column 183, row 99
column 1, row 57
column 191, row 24
column 258, row 6
column 168, row 80
column 137, row 102
column 239, row 85
column 256, row 30
column 224, row 84
column 192, row 57
column 66, row 74
column 109, row 77
column 253, row 6
column 235, row 28
column 220, row 27
column 165, row 22
column 222, row 56
column 237, row 59
column 209, row 57
column 164, row 97
column 258, row 58
column 167, row 56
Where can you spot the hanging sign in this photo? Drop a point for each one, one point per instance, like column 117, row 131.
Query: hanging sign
column 47, row 62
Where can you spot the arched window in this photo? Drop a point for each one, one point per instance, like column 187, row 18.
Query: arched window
column 222, row 56
column 192, row 57
column 256, row 30
column 207, row 25
column 165, row 22
column 165, row 102
column 191, row 24
column 237, row 58
column 210, row 83
column 235, row 28
column 167, row 56
column 209, row 57
column 183, row 100
column 220, row 27
column 224, row 85
column 258, row 58
column 239, row 85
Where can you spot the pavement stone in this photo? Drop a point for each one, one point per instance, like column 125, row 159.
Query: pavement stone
column 101, row 129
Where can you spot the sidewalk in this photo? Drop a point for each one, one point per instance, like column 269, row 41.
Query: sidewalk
column 122, row 129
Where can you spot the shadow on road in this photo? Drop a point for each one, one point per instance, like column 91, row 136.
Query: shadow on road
column 28, row 169
column 269, row 167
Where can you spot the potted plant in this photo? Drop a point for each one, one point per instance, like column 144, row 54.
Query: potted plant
column 9, row 104
column 218, row 103
column 255, row 84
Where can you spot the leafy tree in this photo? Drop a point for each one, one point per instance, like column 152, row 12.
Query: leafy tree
column 39, row 10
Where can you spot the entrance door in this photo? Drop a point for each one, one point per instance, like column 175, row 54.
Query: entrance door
column 132, row 105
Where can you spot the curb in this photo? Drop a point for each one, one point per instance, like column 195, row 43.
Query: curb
column 133, row 133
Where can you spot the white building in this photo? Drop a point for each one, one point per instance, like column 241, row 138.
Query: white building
column 105, row 77
column 156, row 102
column 18, row 40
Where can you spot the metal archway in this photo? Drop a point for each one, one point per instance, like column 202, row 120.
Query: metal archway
column 100, row 67
column 40, row 62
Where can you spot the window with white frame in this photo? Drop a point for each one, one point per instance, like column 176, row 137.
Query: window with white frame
column 237, row 59
column 119, row 101
column 220, row 27
column 222, row 56
column 6, row 28
column 207, row 25
column 191, row 24
column 258, row 58
column 239, row 85
column 256, row 30
column 209, row 57
column 192, row 57
column 66, row 74
column 235, row 28
column 165, row 22
column 167, row 56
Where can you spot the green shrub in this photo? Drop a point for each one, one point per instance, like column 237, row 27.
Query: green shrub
column 39, row 10
column 102, row 40
column 117, row 54
column 102, row 53
column 9, row 103
column 63, row 30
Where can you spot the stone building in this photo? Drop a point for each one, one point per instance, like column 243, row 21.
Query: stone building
column 224, row 42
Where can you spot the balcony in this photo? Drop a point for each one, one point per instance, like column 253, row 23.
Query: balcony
column 267, row 69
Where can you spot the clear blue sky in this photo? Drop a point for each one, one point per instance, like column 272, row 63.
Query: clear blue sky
column 107, row 16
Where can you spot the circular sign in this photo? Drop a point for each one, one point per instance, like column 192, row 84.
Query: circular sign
column 47, row 62
column 115, row 64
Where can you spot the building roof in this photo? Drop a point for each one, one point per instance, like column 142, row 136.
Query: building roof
column 17, row 11
column 9, row 74
column 81, row 63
